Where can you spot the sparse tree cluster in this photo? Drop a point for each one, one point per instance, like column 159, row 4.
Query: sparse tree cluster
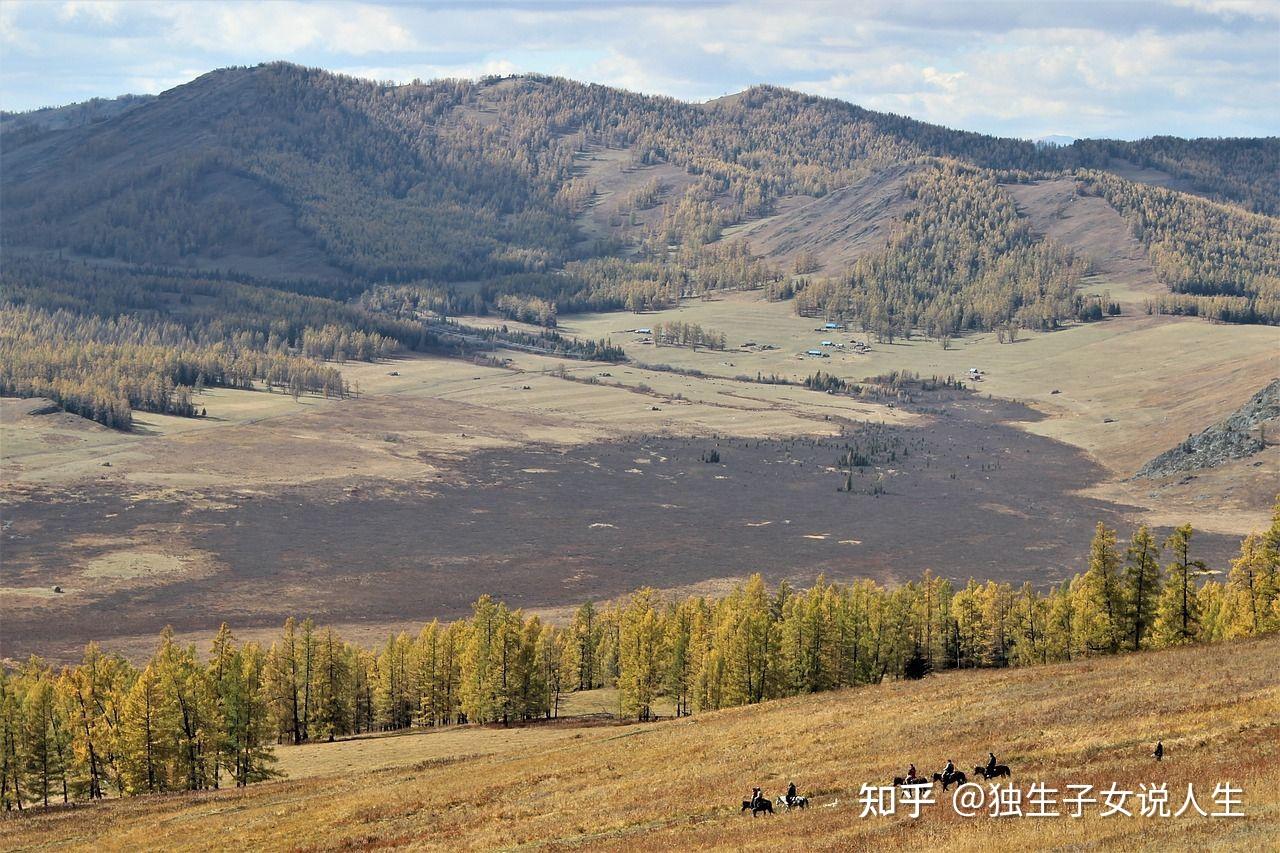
column 105, row 727
column 527, row 309
column 680, row 334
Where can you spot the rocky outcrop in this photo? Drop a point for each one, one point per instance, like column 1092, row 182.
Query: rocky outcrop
column 1240, row 435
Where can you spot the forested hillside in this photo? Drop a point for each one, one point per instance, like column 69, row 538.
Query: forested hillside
column 1217, row 260
column 265, row 210
column 455, row 179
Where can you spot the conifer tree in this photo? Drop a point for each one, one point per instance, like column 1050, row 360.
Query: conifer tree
column 145, row 749
column 248, row 717
column 586, row 635
column 1247, row 589
column 1178, row 613
column 330, row 689
column 45, row 741
column 1142, row 581
column 11, row 789
column 1098, row 597
column 640, row 655
column 479, row 684
column 284, row 684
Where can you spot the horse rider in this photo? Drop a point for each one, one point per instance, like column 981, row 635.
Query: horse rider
column 949, row 770
column 991, row 763
column 911, row 774
column 791, row 794
column 1159, row 753
column 756, row 797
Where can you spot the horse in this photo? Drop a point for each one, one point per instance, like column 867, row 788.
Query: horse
column 899, row 781
column 994, row 773
column 761, row 805
column 797, row 802
column 956, row 778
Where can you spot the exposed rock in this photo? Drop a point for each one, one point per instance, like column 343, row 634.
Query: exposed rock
column 1239, row 436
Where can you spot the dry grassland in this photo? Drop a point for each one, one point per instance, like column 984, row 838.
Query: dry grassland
column 407, row 426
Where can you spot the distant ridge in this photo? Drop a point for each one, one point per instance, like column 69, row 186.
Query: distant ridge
column 282, row 171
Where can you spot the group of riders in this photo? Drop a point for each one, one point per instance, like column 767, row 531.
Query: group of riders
column 760, row 803
column 949, row 773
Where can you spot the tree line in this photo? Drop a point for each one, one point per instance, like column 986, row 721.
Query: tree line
column 105, row 727
column 105, row 370
column 180, row 722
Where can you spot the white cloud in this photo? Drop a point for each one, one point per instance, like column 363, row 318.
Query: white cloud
column 1258, row 9
column 287, row 27
column 95, row 11
column 1109, row 67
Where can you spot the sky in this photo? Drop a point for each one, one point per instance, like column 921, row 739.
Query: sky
column 1112, row 68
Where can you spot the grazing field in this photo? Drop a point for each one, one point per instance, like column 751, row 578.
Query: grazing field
column 832, row 231
column 677, row 784
column 1089, row 226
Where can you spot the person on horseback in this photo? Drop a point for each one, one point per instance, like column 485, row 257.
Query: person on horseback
column 791, row 794
column 991, row 763
column 948, row 771
column 911, row 774
column 1159, row 753
column 756, row 797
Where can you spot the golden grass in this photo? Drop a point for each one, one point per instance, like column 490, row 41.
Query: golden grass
column 676, row 785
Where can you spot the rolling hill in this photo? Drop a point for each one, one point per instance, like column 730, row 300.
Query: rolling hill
column 577, row 784
column 283, row 172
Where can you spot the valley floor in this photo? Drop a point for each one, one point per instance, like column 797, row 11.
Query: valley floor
column 551, row 482
column 677, row 784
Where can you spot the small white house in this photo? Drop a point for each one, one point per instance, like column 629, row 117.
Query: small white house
column 644, row 331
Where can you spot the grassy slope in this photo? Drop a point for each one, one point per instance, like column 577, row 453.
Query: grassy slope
column 674, row 785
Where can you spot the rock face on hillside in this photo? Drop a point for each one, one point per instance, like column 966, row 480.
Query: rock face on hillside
column 1240, row 435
